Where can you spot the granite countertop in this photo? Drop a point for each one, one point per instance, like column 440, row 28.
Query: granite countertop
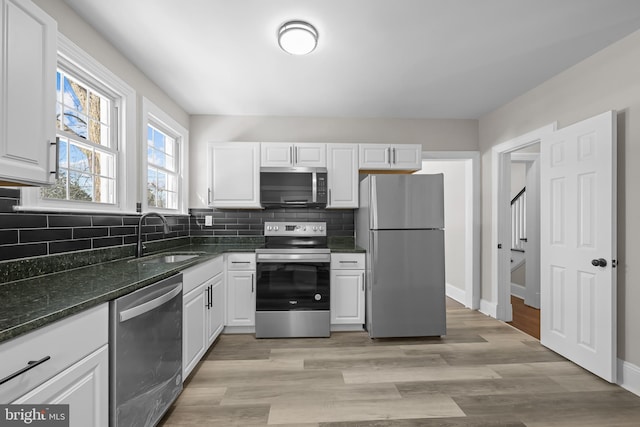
column 31, row 303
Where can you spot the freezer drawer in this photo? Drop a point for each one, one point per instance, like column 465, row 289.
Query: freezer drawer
column 406, row 296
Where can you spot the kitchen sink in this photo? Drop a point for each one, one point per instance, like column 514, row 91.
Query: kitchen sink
column 166, row 258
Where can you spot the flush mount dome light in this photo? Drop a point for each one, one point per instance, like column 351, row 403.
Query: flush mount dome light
column 297, row 37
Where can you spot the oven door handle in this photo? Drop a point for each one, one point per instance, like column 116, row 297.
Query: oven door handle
column 293, row 258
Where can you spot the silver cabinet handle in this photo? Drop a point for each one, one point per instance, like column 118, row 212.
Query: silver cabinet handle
column 295, row 160
column 251, row 282
column 208, row 196
column 363, row 281
column 56, row 170
column 387, row 155
column 30, row 365
column 291, row 155
column 150, row 305
column 394, row 156
column 348, row 262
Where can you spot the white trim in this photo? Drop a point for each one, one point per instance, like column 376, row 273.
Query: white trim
column 168, row 123
column 70, row 53
column 472, row 207
column 456, row 293
column 347, row 328
column 489, row 308
column 524, row 157
column 629, row 376
column 500, row 216
column 518, row 290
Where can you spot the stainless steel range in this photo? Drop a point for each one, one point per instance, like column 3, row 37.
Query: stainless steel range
column 293, row 277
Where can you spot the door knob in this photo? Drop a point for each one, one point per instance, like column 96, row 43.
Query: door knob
column 601, row 262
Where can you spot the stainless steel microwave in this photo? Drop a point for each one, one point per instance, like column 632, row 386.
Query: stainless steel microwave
column 293, row 187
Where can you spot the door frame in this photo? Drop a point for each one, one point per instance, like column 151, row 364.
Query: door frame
column 501, row 217
column 471, row 159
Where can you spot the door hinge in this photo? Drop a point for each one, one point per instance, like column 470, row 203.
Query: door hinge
column 499, row 245
column 614, row 263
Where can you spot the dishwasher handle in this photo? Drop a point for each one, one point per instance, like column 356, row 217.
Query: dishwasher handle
column 138, row 310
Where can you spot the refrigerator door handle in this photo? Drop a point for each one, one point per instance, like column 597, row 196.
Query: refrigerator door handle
column 373, row 205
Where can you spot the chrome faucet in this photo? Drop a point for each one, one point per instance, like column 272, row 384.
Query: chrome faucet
column 140, row 247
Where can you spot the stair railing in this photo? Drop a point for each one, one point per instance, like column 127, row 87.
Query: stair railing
column 519, row 221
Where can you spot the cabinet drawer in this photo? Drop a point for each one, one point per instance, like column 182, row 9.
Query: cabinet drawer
column 347, row 261
column 194, row 276
column 64, row 342
column 241, row 261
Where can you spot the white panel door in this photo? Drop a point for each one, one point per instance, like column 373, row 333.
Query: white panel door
column 578, row 247
column 342, row 174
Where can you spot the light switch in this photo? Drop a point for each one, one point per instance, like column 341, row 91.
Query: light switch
column 208, row 220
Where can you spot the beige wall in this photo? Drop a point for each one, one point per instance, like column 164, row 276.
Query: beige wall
column 433, row 134
column 454, row 217
column 78, row 31
column 609, row 80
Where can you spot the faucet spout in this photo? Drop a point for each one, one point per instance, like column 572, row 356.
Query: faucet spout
column 140, row 246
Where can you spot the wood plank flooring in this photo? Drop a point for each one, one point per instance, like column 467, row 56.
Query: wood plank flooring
column 483, row 373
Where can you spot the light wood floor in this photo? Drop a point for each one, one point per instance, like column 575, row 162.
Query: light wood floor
column 482, row 373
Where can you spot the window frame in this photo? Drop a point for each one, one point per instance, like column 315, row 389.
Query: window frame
column 158, row 118
column 81, row 65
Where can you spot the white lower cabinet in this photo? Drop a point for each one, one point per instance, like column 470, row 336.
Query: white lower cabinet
column 202, row 311
column 83, row 386
column 241, row 295
column 74, row 368
column 347, row 291
column 215, row 311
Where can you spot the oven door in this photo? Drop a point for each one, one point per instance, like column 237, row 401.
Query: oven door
column 293, row 282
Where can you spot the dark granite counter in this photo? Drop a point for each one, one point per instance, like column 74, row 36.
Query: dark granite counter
column 34, row 302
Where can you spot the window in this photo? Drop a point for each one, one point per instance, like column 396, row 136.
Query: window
column 162, row 176
column 87, row 151
column 164, row 162
column 96, row 130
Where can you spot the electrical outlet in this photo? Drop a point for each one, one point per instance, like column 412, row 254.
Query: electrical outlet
column 208, row 220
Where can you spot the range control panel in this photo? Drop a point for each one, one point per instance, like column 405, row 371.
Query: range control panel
column 295, row 228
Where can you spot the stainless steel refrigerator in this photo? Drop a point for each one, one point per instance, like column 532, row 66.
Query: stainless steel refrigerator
column 400, row 222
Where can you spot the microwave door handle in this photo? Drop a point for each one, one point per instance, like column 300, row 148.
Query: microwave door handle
column 314, row 187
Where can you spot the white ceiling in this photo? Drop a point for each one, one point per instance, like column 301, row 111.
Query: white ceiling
column 375, row 58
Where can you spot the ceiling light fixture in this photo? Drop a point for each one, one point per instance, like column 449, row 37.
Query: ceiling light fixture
column 297, row 37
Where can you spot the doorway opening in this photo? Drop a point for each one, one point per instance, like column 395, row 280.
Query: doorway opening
column 525, row 239
column 462, row 221
column 502, row 232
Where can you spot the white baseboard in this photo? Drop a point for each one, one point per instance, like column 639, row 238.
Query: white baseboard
column 239, row 330
column 456, row 293
column 518, row 290
column 347, row 328
column 489, row 308
column 629, row 376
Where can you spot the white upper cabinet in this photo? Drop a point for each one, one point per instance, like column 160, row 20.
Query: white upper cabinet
column 342, row 174
column 28, row 82
column 391, row 156
column 284, row 154
column 234, row 170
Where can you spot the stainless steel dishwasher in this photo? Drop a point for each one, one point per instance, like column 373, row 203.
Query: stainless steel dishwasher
column 145, row 353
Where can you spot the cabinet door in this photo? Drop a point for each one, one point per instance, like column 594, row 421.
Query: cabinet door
column 276, row 154
column 310, row 155
column 193, row 329
column 215, row 313
column 342, row 174
column 235, row 175
column 241, row 298
column 28, row 83
column 406, row 156
column 374, row 156
column 347, row 297
column 84, row 386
